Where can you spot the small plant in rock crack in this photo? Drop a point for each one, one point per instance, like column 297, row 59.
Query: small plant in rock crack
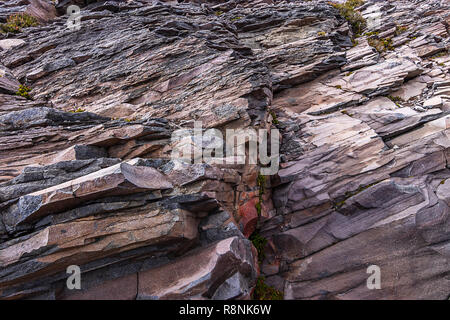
column 381, row 45
column 400, row 29
column 77, row 110
column 16, row 22
column 265, row 292
column 274, row 117
column 349, row 12
column 396, row 100
column 259, row 242
column 261, row 183
column 24, row 91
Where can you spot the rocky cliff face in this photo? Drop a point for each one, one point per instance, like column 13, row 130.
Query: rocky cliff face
column 87, row 175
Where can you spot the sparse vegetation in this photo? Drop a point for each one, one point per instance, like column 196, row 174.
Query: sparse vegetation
column 321, row 33
column 24, row 91
column 77, row 110
column 265, row 292
column 259, row 242
column 396, row 100
column 400, row 29
column 349, row 194
column 16, row 22
column 349, row 12
column 440, row 54
column 372, row 33
column 274, row 117
column 347, row 113
column 261, row 183
column 381, row 45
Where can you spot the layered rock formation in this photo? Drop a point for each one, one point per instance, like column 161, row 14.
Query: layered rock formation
column 87, row 175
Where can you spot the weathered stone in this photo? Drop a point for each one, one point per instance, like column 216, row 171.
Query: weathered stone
column 223, row 270
column 120, row 179
column 89, row 174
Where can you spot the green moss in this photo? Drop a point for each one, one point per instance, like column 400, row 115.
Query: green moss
column 236, row 18
column 265, row 292
column 259, row 242
column 16, row 22
column 274, row 117
column 258, row 208
column 354, row 18
column 348, row 74
column 321, row 33
column 338, row 87
column 218, row 13
column 261, row 183
column 24, row 91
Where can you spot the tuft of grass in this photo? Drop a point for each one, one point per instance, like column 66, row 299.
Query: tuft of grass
column 274, row 117
column 24, row 91
column 381, row 45
column 265, row 292
column 349, row 12
column 16, row 22
column 400, row 29
column 396, row 100
column 372, row 33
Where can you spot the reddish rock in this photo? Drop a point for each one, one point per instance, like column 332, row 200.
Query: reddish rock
column 249, row 217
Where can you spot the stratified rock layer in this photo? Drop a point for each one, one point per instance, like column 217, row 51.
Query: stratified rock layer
column 87, row 175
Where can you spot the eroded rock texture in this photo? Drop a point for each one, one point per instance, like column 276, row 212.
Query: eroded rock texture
column 87, row 175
